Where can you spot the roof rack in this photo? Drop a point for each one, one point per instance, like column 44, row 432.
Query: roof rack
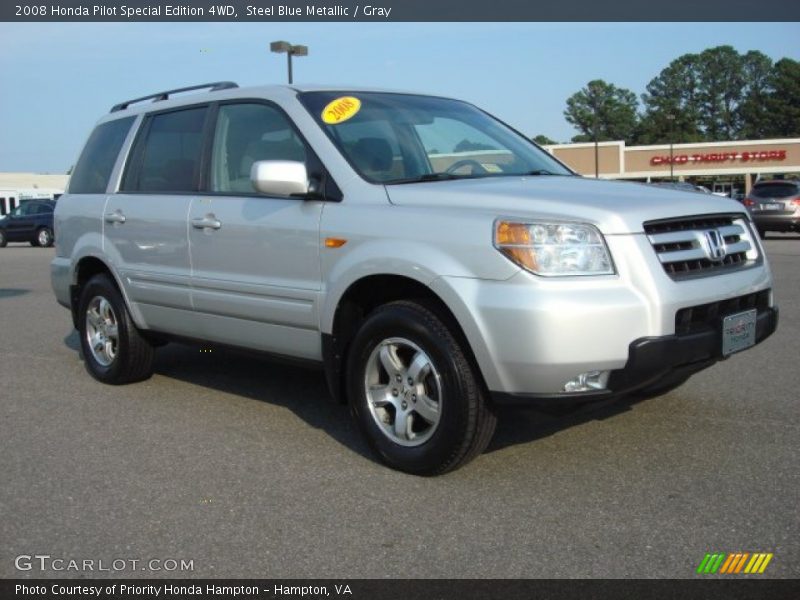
column 213, row 87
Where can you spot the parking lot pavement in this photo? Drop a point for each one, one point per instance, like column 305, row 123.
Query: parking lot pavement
column 245, row 468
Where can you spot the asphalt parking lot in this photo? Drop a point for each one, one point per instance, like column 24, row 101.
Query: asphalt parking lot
column 245, row 467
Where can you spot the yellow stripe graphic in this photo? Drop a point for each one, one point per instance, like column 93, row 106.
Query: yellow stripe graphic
column 765, row 563
column 753, row 564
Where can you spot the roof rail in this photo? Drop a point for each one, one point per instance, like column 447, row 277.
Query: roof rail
column 215, row 86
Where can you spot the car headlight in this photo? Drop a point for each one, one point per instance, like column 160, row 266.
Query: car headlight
column 554, row 249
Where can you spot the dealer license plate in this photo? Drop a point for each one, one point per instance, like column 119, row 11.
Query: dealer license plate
column 738, row 332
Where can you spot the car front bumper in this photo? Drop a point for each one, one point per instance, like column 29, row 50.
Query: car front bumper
column 650, row 360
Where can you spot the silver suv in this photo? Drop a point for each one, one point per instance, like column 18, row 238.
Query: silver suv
column 434, row 261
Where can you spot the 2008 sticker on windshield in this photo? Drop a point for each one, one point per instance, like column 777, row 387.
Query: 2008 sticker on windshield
column 340, row 110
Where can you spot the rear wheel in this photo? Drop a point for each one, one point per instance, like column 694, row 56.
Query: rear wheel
column 3, row 239
column 762, row 234
column 414, row 393
column 114, row 350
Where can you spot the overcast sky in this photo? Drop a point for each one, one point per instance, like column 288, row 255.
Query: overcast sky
column 59, row 78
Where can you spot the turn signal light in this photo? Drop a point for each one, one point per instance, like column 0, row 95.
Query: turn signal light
column 513, row 240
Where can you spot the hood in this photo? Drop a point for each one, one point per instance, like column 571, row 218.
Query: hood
column 615, row 207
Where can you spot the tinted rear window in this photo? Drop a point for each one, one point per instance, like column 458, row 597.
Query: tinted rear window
column 97, row 160
column 168, row 159
column 775, row 190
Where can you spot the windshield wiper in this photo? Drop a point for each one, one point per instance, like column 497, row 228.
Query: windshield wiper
column 539, row 172
column 431, row 177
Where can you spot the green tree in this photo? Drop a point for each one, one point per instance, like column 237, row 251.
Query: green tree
column 715, row 95
column 721, row 86
column 672, row 104
column 783, row 102
column 756, row 121
column 603, row 109
column 543, row 140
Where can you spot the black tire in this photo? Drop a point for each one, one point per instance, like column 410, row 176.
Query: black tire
column 3, row 239
column 762, row 234
column 44, row 238
column 133, row 357
column 465, row 422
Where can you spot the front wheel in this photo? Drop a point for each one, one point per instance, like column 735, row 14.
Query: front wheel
column 114, row 350
column 44, row 238
column 414, row 393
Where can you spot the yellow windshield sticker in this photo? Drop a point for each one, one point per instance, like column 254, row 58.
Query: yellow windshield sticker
column 341, row 109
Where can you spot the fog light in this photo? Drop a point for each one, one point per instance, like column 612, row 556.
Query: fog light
column 591, row 381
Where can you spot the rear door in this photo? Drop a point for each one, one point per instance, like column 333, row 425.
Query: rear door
column 145, row 223
column 255, row 258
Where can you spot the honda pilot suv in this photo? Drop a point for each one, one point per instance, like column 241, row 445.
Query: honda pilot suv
column 435, row 262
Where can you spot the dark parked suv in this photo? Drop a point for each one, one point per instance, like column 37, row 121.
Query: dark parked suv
column 31, row 221
column 775, row 206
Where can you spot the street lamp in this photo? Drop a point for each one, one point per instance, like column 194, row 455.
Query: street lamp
column 290, row 50
column 671, row 118
column 594, row 132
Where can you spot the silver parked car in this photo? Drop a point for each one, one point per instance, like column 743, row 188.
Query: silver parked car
column 775, row 206
column 434, row 261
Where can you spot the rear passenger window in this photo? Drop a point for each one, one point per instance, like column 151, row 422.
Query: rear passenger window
column 246, row 133
column 168, row 159
column 93, row 170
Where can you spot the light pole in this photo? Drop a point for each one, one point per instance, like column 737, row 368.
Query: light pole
column 594, row 132
column 671, row 118
column 290, row 50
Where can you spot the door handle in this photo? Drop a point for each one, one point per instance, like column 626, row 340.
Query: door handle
column 207, row 222
column 115, row 217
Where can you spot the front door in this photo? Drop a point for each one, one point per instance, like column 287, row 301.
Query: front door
column 20, row 224
column 255, row 258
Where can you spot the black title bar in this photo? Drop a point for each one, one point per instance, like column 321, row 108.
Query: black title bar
column 399, row 10
column 399, row 589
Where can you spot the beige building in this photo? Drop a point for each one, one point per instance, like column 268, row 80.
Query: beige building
column 721, row 166
column 33, row 180
column 19, row 187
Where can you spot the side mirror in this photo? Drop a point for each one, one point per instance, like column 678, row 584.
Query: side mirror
column 280, row 177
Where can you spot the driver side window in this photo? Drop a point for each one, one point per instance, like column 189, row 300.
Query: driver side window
column 246, row 133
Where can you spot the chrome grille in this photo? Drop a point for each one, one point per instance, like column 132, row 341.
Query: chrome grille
column 691, row 246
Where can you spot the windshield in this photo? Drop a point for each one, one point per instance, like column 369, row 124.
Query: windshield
column 402, row 138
